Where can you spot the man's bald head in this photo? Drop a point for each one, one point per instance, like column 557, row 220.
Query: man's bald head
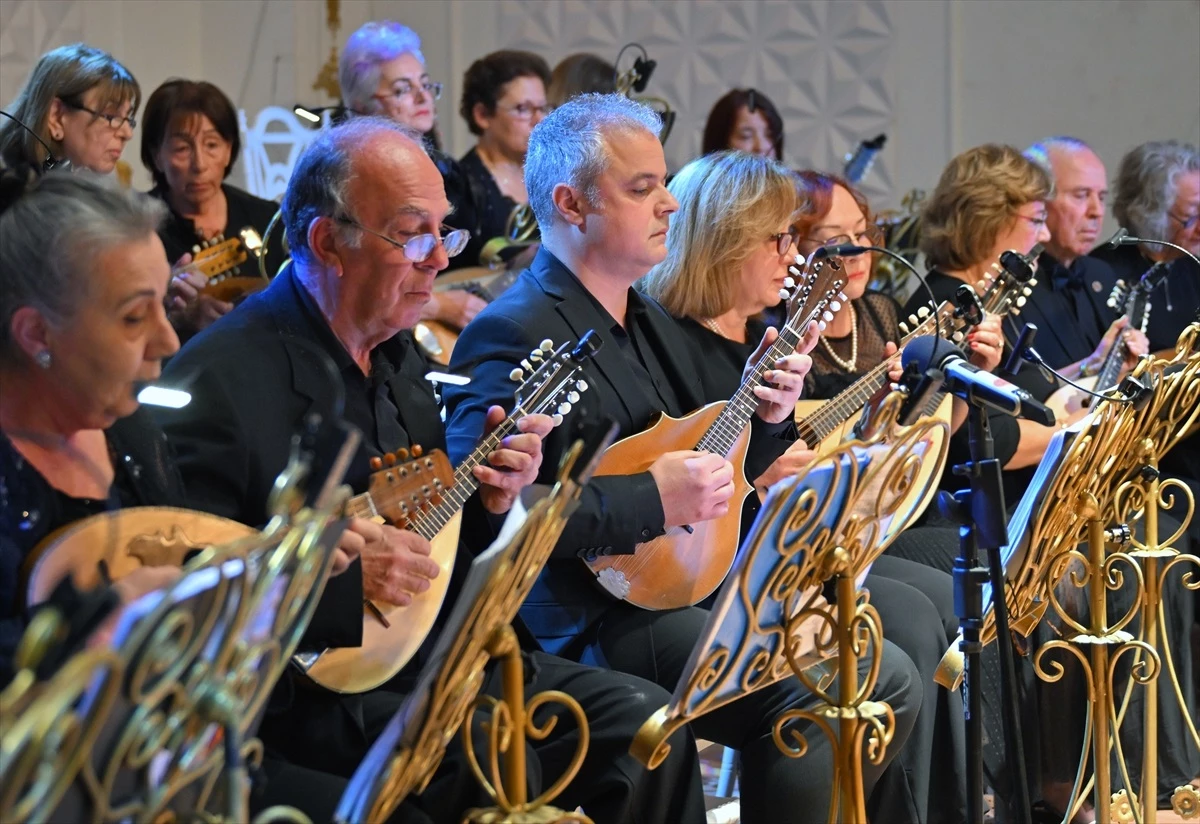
column 1075, row 213
column 341, row 160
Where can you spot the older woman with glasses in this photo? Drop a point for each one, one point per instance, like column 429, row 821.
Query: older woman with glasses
column 1158, row 197
column 77, row 106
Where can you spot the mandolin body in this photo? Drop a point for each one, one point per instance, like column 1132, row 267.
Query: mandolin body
column 385, row 651
column 676, row 569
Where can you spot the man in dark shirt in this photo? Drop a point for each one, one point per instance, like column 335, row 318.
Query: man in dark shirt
column 363, row 214
column 595, row 174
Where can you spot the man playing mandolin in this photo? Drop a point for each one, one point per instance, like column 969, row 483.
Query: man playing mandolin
column 363, row 214
column 596, row 178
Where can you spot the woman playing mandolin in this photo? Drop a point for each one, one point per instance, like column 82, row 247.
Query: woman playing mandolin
column 189, row 144
column 728, row 251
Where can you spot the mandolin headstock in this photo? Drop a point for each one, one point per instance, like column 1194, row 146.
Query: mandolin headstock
column 406, row 482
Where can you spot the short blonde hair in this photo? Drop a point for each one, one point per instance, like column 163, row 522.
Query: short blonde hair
column 976, row 198
column 728, row 201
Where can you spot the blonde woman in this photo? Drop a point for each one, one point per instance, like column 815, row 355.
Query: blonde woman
column 78, row 101
column 728, row 249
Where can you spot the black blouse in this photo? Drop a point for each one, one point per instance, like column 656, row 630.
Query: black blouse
column 244, row 210
column 31, row 509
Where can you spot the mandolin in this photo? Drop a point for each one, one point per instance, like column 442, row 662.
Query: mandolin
column 684, row 565
column 110, row 545
column 824, row 424
column 220, row 261
column 391, row 634
column 437, row 338
column 1134, row 302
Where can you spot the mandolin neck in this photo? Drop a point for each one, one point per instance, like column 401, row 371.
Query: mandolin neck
column 728, row 426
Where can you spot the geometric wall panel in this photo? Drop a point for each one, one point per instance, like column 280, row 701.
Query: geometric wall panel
column 825, row 64
column 28, row 29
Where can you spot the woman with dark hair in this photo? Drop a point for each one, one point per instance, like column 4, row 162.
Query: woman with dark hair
column 580, row 73
column 503, row 98
column 190, row 142
column 78, row 101
column 745, row 120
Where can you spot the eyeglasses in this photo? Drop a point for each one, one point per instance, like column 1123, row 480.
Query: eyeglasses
column 1038, row 223
column 1187, row 223
column 784, row 240
column 115, row 121
column 870, row 236
column 526, row 111
column 418, row 249
column 404, row 88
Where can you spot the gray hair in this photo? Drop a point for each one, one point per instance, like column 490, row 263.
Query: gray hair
column 371, row 44
column 1147, row 184
column 1039, row 152
column 570, row 146
column 66, row 73
column 50, row 237
column 321, row 179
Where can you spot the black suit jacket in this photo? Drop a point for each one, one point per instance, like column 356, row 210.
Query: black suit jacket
column 615, row 513
column 254, row 376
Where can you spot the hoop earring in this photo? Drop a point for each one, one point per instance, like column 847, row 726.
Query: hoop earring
column 43, row 359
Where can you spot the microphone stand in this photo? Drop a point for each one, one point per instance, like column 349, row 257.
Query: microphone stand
column 982, row 518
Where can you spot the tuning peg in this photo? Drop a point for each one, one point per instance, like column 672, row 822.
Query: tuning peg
column 1031, row 283
column 835, row 305
column 417, row 451
column 564, row 407
column 904, row 327
column 783, row 294
column 788, row 282
column 1015, row 311
column 827, row 316
column 1020, row 301
column 547, row 345
column 557, row 418
column 389, row 459
column 980, row 285
column 516, row 374
column 573, row 397
column 195, row 248
column 957, row 337
column 529, row 366
column 237, row 270
column 376, row 464
column 581, row 385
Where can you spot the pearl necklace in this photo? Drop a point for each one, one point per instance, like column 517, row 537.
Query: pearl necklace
column 852, row 364
column 712, row 324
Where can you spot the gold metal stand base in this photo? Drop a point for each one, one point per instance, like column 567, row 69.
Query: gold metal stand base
column 1185, row 802
column 542, row 815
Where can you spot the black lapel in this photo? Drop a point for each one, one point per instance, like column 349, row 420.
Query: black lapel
column 576, row 309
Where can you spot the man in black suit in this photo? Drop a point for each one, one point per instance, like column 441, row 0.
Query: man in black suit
column 363, row 216
column 596, row 175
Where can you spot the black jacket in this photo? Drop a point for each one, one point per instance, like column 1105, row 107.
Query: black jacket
column 615, row 513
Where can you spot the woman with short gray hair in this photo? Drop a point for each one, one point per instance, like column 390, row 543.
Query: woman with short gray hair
column 1157, row 197
column 82, row 329
column 77, row 106
column 382, row 72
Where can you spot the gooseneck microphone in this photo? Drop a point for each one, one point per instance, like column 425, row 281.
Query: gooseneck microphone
column 972, row 383
column 1122, row 238
column 51, row 162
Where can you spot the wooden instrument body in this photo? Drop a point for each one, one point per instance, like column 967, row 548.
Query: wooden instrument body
column 438, row 338
column 358, row 669
column 123, row 540
column 676, row 569
column 1067, row 400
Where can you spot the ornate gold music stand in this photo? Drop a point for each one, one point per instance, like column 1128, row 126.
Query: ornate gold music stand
column 160, row 721
column 769, row 620
column 405, row 757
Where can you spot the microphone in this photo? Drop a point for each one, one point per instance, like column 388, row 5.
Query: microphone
column 1115, row 241
column 642, row 68
column 51, row 162
column 1123, row 238
column 972, row 383
column 1023, row 351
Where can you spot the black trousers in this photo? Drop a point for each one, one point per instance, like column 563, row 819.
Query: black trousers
column 775, row 788
column 315, row 746
column 916, row 607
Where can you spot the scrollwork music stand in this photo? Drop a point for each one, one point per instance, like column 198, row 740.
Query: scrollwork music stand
column 769, row 621
column 159, row 721
column 405, row 756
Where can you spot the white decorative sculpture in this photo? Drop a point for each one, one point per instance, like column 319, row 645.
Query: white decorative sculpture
column 271, row 148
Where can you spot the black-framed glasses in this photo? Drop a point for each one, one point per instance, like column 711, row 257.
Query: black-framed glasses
column 418, row 249
column 404, row 88
column 1186, row 223
column 870, row 236
column 785, row 240
column 115, row 121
